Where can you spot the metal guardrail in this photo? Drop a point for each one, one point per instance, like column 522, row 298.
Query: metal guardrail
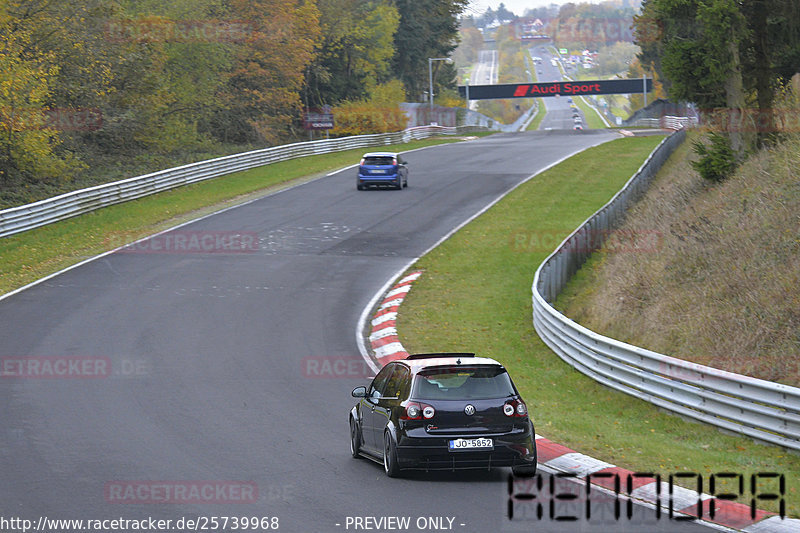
column 26, row 217
column 648, row 123
column 677, row 123
column 757, row 408
column 667, row 122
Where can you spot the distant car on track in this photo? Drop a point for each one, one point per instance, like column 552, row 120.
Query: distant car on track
column 578, row 127
column 382, row 169
column 443, row 411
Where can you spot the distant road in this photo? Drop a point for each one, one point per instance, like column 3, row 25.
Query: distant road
column 559, row 113
column 485, row 73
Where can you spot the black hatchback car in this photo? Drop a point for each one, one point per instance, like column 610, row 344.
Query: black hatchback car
column 443, row 412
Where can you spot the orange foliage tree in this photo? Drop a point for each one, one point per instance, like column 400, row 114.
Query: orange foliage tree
column 263, row 89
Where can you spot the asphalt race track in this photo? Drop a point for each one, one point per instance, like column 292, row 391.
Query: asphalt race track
column 204, row 382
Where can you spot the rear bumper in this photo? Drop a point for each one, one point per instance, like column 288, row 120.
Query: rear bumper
column 390, row 179
column 432, row 453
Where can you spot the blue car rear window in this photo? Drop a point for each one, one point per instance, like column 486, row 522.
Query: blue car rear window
column 378, row 161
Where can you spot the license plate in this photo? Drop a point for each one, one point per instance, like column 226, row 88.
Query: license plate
column 470, row 444
column 378, row 171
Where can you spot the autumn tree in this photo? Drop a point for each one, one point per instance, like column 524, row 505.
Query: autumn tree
column 354, row 53
column 170, row 64
column 636, row 70
column 28, row 142
column 262, row 92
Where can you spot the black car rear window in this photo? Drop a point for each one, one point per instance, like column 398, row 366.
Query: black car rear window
column 378, row 160
column 462, row 383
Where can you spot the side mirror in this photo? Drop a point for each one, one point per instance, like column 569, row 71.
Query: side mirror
column 359, row 392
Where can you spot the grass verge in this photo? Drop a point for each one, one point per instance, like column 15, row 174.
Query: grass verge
column 541, row 111
column 31, row 255
column 593, row 120
column 475, row 295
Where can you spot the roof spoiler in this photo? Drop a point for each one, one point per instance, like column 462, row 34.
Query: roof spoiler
column 441, row 354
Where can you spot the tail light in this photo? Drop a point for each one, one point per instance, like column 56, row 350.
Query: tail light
column 515, row 408
column 417, row 411
column 413, row 412
column 362, row 162
column 394, row 161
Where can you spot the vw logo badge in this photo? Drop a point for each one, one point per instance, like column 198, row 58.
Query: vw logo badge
column 469, row 410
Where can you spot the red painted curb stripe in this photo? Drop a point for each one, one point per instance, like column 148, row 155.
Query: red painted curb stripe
column 384, row 325
column 382, row 312
column 398, row 298
column 549, row 450
column 727, row 513
column 377, row 343
column 393, row 357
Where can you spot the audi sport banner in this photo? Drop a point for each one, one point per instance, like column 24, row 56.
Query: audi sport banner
column 560, row 88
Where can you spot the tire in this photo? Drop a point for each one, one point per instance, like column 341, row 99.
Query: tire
column 355, row 439
column 399, row 186
column 389, row 456
column 524, row 470
column 359, row 187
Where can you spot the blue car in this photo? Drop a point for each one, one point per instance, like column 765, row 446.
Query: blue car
column 382, row 169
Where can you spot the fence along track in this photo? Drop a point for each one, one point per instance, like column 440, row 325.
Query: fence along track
column 757, row 408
